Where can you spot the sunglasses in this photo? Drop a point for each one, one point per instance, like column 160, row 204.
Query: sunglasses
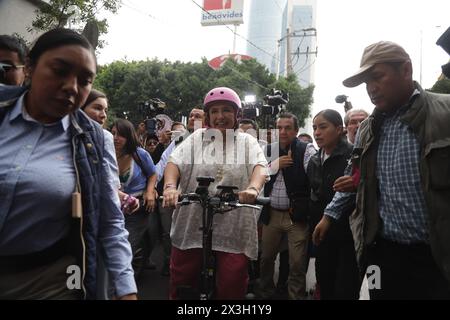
column 6, row 67
column 152, row 143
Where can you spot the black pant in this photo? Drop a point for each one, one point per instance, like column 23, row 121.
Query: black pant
column 137, row 225
column 406, row 272
column 337, row 271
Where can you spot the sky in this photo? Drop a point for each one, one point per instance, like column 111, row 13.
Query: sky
column 170, row 29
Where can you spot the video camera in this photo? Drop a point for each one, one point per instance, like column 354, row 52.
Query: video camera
column 150, row 109
column 342, row 98
column 444, row 43
column 273, row 104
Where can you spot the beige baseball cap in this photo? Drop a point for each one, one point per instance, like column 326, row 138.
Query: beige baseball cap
column 380, row 52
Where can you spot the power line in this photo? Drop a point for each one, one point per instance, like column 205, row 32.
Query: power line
column 139, row 11
column 303, row 70
column 246, row 78
column 231, row 68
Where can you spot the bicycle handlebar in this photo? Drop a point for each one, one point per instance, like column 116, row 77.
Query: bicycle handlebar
column 188, row 198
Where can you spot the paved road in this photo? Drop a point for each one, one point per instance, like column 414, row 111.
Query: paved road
column 153, row 286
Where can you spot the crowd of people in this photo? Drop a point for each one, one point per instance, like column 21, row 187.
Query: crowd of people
column 74, row 192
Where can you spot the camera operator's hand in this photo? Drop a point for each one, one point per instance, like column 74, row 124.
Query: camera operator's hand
column 282, row 162
column 248, row 196
column 171, row 195
column 150, row 200
column 166, row 137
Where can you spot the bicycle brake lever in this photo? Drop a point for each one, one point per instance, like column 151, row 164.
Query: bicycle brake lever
column 240, row 205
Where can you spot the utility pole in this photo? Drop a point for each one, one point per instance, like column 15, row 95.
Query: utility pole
column 302, row 33
column 288, row 52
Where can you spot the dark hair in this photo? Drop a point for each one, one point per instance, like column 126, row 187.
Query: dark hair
column 94, row 94
column 148, row 136
column 288, row 115
column 331, row 116
column 177, row 123
column 249, row 121
column 307, row 136
column 126, row 129
column 14, row 44
column 56, row 38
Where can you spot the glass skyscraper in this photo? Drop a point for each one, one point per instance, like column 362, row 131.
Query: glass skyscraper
column 264, row 31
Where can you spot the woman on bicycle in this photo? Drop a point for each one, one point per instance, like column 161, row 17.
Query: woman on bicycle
column 232, row 158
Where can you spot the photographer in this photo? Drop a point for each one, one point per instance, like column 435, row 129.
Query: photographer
column 150, row 143
column 178, row 133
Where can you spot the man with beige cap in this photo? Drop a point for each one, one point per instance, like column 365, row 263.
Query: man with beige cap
column 401, row 225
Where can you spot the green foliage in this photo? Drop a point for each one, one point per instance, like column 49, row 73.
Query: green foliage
column 183, row 85
column 58, row 13
column 441, row 86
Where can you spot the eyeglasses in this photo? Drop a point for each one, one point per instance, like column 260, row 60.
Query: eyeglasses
column 152, row 143
column 6, row 67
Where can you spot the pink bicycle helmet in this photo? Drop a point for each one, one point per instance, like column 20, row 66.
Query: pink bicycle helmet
column 222, row 94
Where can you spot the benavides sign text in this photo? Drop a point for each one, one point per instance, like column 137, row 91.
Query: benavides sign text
column 219, row 12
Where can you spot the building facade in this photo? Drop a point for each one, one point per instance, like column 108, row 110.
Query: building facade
column 287, row 30
column 17, row 15
column 299, row 28
column 264, row 31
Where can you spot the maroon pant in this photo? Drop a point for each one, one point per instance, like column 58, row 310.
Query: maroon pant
column 231, row 273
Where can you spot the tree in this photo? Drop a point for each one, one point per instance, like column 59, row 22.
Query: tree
column 183, row 85
column 57, row 13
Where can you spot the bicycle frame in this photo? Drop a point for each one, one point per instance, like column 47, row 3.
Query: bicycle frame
column 211, row 205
